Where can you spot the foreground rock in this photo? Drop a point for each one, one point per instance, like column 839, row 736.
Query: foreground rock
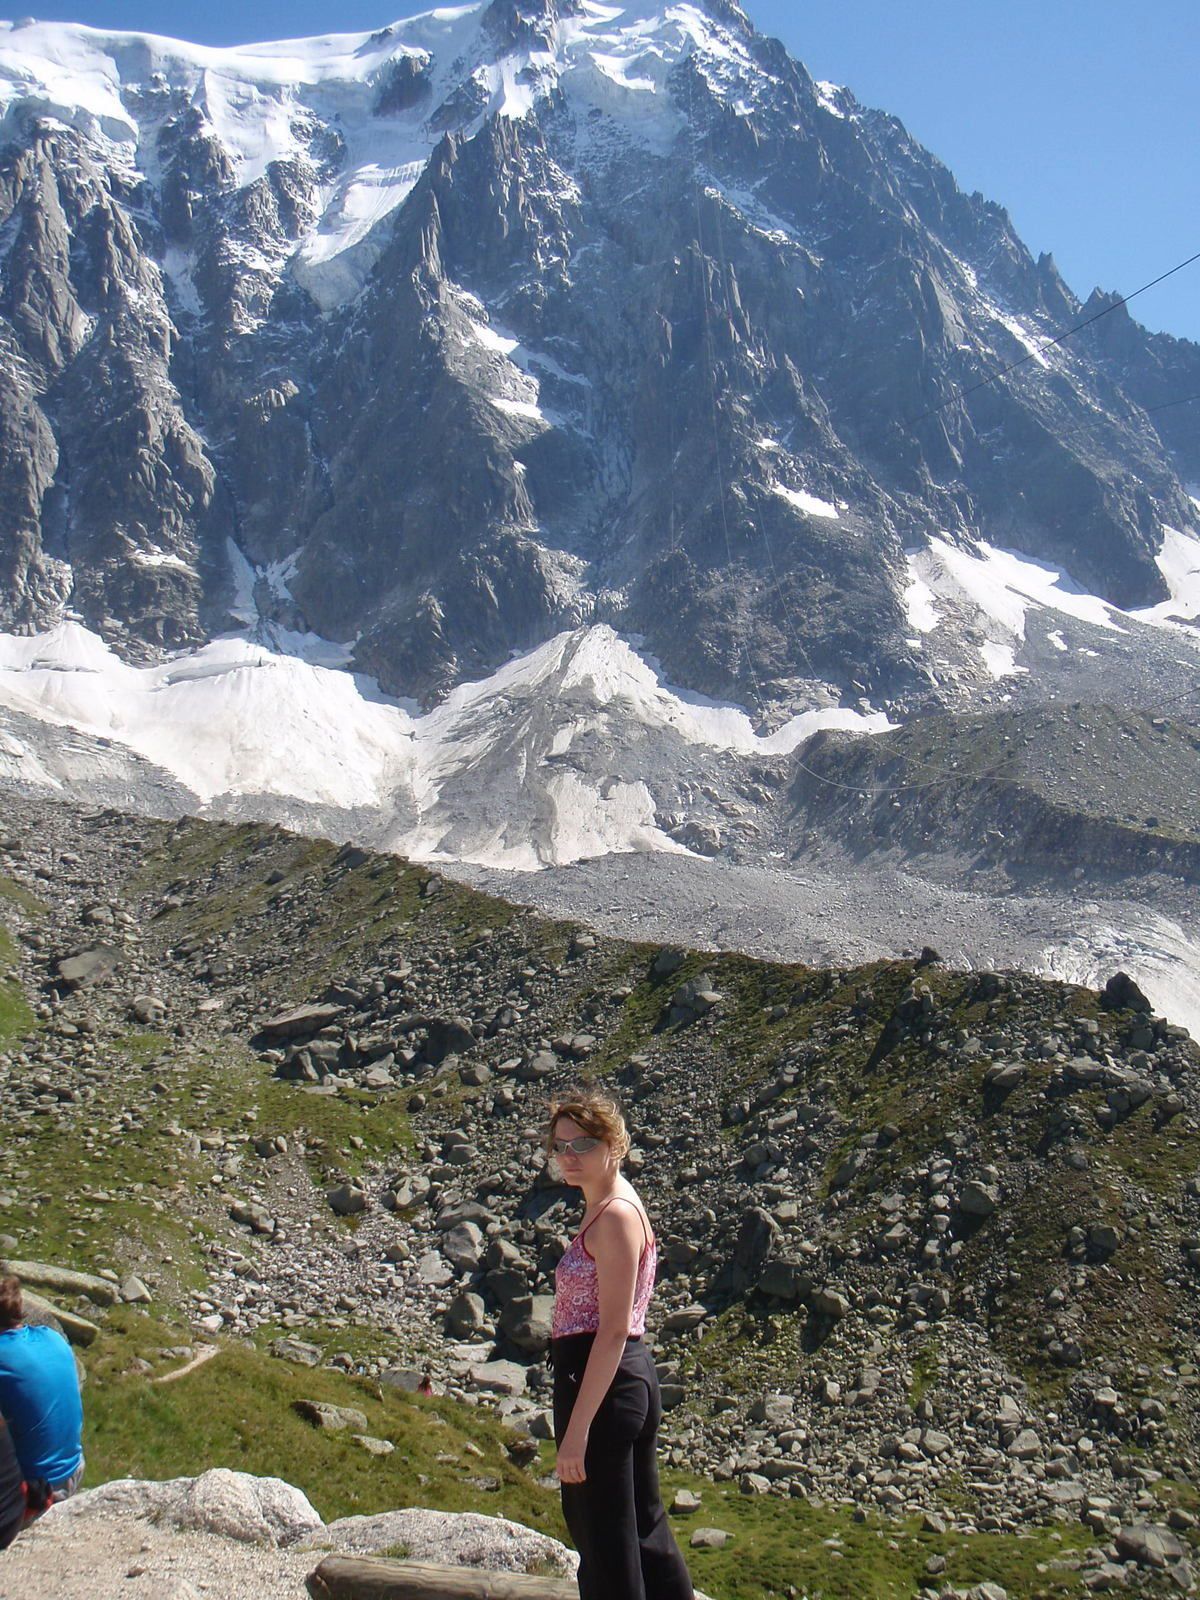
column 240, row 1537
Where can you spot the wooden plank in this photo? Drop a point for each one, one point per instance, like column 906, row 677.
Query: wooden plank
column 370, row 1578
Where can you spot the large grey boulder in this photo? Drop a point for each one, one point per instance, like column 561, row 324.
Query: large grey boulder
column 978, row 1199
column 300, row 1022
column 1149, row 1546
column 63, row 1280
column 499, row 1377
column 463, row 1245
column 452, row 1538
column 235, row 1505
column 786, row 1280
column 448, row 1036
column 526, row 1320
column 756, row 1236
column 86, row 967
column 76, row 1328
column 347, row 1199
column 466, row 1315
column 330, row 1419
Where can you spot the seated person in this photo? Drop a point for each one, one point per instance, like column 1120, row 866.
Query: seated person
column 39, row 1397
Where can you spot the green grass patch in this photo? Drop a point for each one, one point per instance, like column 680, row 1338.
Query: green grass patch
column 18, row 895
column 153, row 1184
column 781, row 1548
column 141, row 1048
column 237, row 1411
column 925, row 1372
column 16, row 1018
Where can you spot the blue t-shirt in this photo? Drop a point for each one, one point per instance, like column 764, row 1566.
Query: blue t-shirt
column 39, row 1396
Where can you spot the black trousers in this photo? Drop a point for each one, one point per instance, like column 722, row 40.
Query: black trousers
column 12, row 1490
column 616, row 1517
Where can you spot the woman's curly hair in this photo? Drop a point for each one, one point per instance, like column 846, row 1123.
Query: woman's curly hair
column 596, row 1113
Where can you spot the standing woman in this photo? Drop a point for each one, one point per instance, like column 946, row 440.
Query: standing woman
column 607, row 1405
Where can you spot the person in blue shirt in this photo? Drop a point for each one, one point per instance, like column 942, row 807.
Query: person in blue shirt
column 39, row 1397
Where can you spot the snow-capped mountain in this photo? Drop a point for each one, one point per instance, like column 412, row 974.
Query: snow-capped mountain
column 536, row 434
column 509, row 318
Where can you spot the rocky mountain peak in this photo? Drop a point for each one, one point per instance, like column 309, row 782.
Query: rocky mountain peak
column 439, row 350
column 527, row 24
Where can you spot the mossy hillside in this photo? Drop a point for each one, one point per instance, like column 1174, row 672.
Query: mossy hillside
column 810, row 1038
column 16, row 1017
column 125, row 1188
column 363, row 905
column 23, row 898
column 947, row 756
column 825, row 1028
column 1017, row 796
column 237, row 1410
column 925, row 1370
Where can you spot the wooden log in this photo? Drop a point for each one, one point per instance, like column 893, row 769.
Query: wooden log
column 370, row 1578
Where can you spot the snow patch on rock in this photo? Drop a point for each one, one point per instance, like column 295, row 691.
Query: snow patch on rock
column 1179, row 562
column 1153, row 949
column 812, row 505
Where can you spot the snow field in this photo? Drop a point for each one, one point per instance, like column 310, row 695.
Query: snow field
column 1002, row 588
column 236, row 718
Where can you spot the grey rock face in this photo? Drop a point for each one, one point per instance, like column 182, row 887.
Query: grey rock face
column 707, row 386
column 87, row 967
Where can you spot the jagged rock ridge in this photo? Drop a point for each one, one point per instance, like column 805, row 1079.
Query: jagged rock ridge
column 438, row 340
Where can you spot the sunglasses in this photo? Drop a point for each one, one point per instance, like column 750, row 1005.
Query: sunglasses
column 577, row 1147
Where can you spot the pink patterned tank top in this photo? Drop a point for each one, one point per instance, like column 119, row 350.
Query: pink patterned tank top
column 576, row 1296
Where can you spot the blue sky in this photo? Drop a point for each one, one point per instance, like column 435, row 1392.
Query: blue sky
column 1081, row 116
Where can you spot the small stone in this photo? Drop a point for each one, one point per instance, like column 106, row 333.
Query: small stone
column 373, row 1447
column 709, row 1539
column 330, row 1419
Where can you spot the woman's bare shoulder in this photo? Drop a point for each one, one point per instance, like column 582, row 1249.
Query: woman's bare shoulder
column 629, row 1218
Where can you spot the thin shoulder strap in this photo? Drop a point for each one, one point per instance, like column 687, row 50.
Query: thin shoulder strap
column 628, row 1202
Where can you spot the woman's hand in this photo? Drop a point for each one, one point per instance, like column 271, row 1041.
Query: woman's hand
column 568, row 1463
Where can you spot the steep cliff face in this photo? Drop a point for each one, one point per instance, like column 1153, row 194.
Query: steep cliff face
column 440, row 340
column 111, row 496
